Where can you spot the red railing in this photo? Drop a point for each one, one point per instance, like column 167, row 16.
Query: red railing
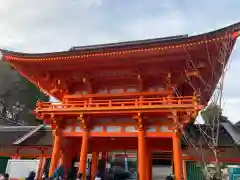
column 120, row 104
column 163, row 93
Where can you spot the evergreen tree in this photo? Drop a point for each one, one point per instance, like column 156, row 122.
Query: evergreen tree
column 18, row 97
column 212, row 113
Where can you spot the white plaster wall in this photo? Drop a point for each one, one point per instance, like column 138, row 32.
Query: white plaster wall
column 161, row 172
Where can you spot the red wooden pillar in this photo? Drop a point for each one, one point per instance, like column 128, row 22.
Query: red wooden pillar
column 61, row 160
column 148, row 164
column 17, row 155
column 177, row 156
column 94, row 165
column 40, row 166
column 105, row 158
column 68, row 154
column 43, row 165
column 141, row 155
column 184, row 170
column 67, row 161
column 55, row 154
column 148, row 160
column 83, row 154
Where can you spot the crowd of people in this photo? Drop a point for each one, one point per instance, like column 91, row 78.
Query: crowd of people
column 78, row 177
column 32, row 176
column 56, row 176
column 5, row 176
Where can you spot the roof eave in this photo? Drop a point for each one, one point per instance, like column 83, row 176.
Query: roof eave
column 132, row 44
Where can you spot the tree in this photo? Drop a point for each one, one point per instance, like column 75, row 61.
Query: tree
column 18, row 97
column 212, row 114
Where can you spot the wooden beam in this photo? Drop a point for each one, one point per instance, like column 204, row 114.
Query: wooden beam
column 119, row 134
column 129, row 94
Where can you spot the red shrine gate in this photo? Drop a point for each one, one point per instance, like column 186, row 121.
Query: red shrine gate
column 125, row 96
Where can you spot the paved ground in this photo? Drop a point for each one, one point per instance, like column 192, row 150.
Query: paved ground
column 158, row 172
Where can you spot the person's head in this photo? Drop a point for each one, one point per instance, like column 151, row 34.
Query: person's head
column 98, row 174
column 79, row 176
column 32, row 174
column 4, row 176
column 1, row 177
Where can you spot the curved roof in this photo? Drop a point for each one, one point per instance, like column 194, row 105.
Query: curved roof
column 170, row 54
column 166, row 41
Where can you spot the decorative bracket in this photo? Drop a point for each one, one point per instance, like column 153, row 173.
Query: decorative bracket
column 177, row 125
column 140, row 121
column 195, row 102
column 56, row 132
column 84, row 121
column 56, row 124
column 168, row 81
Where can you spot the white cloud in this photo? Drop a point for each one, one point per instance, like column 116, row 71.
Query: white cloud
column 231, row 109
column 53, row 25
column 172, row 23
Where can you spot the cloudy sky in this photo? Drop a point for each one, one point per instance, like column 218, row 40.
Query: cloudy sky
column 54, row 25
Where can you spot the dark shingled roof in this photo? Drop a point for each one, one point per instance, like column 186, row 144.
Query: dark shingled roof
column 39, row 136
column 199, row 135
column 25, row 136
column 9, row 134
column 42, row 138
column 128, row 43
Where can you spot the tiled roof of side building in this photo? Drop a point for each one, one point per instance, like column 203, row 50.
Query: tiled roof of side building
column 25, row 136
column 9, row 134
column 196, row 134
column 39, row 136
column 201, row 135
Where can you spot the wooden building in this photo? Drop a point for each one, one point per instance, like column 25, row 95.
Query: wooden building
column 31, row 142
column 126, row 96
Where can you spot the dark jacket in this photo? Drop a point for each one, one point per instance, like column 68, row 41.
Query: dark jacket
column 31, row 176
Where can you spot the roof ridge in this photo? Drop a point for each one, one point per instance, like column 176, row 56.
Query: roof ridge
column 232, row 28
column 126, row 43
